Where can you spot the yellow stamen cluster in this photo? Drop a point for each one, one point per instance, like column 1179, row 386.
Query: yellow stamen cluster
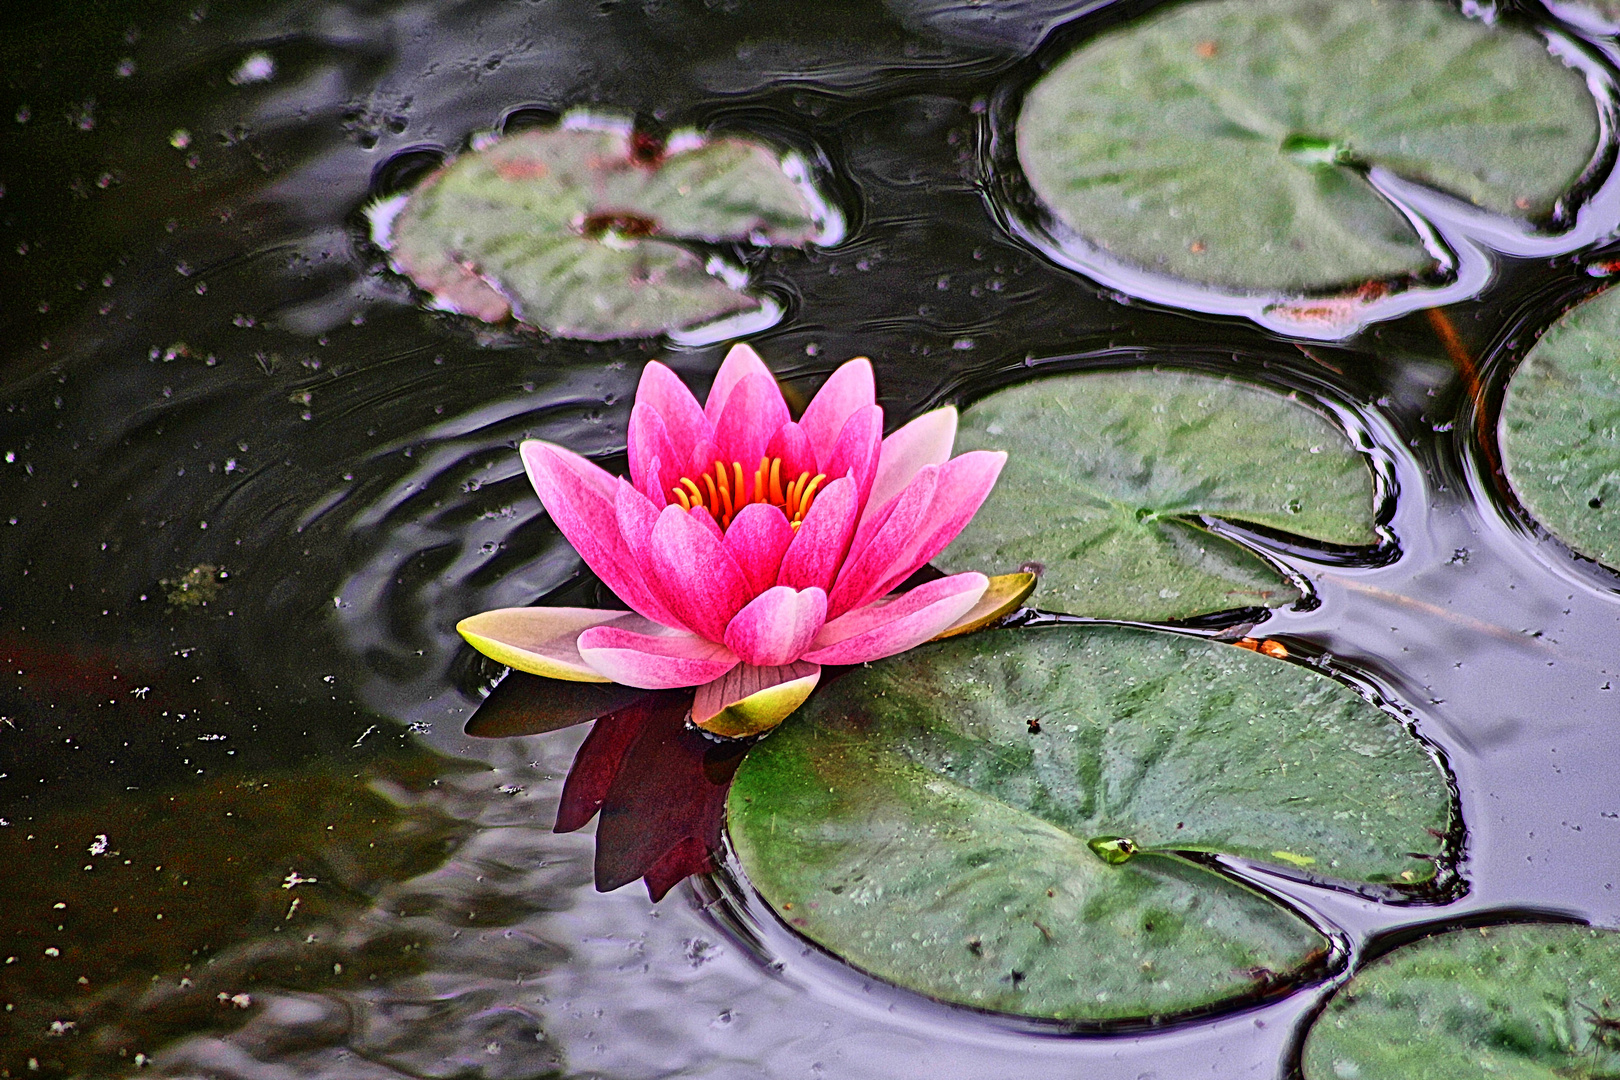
column 722, row 492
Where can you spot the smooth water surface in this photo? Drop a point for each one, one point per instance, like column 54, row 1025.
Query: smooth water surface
column 247, row 837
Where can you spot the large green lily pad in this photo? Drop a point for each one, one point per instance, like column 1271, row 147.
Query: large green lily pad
column 1532, row 1002
column 1223, row 142
column 577, row 231
column 950, row 819
column 1103, row 468
column 1560, row 429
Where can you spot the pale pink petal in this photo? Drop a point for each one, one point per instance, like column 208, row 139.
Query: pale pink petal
column 693, row 574
column 682, row 415
column 791, row 445
column 822, row 539
column 749, row 700
column 896, row 624
column 857, row 450
column 847, row 390
column 868, row 568
column 580, row 499
column 757, row 538
column 739, row 363
column 927, row 440
column 777, row 626
column 654, row 463
column 541, row 640
column 654, row 661
column 753, row 413
column 963, row 484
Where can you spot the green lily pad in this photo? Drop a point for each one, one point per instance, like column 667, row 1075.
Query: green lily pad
column 955, row 819
column 1104, row 468
column 1560, row 429
column 1224, row 142
column 578, row 232
column 1533, row 1002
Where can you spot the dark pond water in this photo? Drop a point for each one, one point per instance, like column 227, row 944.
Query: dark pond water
column 248, row 837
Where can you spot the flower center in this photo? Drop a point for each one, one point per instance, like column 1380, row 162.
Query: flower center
column 723, row 492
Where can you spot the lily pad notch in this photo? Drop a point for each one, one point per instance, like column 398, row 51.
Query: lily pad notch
column 596, row 231
column 1313, row 166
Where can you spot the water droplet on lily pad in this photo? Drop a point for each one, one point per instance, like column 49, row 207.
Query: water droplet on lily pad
column 590, row 230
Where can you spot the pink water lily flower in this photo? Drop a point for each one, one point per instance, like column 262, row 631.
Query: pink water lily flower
column 751, row 549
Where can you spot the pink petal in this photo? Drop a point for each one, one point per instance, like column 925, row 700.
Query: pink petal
column 753, row 413
column 693, row 574
column 654, row 661
column 927, row 440
column 748, row 700
column 654, row 464
column 868, row 568
column 847, row 390
column 683, row 417
column 580, row 499
column 822, row 539
column 963, row 484
column 739, row 364
column 791, row 445
column 777, row 626
column 896, row 624
column 701, row 459
column 757, row 538
column 857, row 449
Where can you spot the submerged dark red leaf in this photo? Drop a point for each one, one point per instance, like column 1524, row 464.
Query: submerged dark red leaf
column 523, row 704
column 599, row 759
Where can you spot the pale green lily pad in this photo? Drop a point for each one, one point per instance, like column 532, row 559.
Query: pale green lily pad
column 1532, row 1002
column 1102, row 468
column 577, row 231
column 1222, row 142
column 910, row 820
column 1560, row 429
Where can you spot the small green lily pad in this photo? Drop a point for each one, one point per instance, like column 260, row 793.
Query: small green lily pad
column 1103, row 470
column 579, row 232
column 1532, row 1002
column 1560, row 429
column 990, row 820
column 1224, row 142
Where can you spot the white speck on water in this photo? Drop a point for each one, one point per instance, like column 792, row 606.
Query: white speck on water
column 258, row 67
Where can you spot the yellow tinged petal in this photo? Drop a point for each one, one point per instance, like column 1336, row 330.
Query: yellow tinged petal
column 1002, row 598
column 718, row 708
column 538, row 640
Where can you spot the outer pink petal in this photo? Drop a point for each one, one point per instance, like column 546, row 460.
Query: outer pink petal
column 927, row 440
column 683, row 417
column 753, row 413
column 654, row 661
column 847, row 390
column 793, row 447
column 867, row 569
column 822, row 539
column 749, row 700
column 963, row 484
column 856, row 450
column 693, row 574
column 896, row 624
column 739, row 363
column 580, row 499
column 758, row 537
column 777, row 626
column 654, row 463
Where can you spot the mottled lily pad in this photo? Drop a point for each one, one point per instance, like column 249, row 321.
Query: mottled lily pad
column 1104, row 469
column 1533, row 1002
column 1560, row 429
column 1226, row 142
column 990, row 820
column 580, row 231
